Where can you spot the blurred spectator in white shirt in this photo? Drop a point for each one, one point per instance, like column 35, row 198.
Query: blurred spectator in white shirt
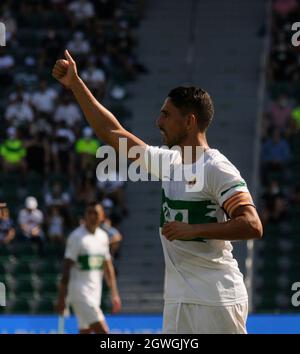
column 68, row 112
column 30, row 221
column 82, row 10
column 21, row 93
column 56, row 197
column 78, row 45
column 55, row 223
column 19, row 112
column 95, row 79
column 43, row 100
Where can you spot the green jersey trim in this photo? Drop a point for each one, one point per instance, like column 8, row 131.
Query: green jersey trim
column 91, row 262
column 241, row 184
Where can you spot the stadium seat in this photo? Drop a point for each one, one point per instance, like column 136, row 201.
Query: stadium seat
column 48, row 284
column 19, row 306
column 44, row 306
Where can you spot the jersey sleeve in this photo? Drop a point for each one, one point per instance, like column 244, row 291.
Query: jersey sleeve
column 225, row 183
column 72, row 248
column 107, row 254
column 157, row 160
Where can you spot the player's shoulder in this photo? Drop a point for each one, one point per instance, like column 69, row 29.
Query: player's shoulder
column 173, row 155
column 216, row 162
column 77, row 233
column 102, row 234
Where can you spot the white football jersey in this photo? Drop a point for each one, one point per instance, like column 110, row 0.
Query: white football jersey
column 88, row 251
column 199, row 271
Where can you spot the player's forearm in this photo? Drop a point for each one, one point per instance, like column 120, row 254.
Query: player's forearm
column 63, row 287
column 101, row 120
column 111, row 279
column 232, row 230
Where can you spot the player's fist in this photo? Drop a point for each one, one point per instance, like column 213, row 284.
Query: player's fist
column 65, row 70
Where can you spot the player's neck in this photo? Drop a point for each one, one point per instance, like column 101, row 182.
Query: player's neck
column 194, row 141
column 90, row 228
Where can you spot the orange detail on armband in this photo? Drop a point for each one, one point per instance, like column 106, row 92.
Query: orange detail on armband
column 237, row 200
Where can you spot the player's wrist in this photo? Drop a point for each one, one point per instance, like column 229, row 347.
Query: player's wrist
column 74, row 83
column 196, row 231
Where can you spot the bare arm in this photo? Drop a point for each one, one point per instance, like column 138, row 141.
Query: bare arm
column 63, row 286
column 244, row 225
column 104, row 123
column 110, row 277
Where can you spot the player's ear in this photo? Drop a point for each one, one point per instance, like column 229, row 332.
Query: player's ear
column 191, row 121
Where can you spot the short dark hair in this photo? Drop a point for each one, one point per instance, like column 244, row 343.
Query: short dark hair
column 194, row 100
column 93, row 204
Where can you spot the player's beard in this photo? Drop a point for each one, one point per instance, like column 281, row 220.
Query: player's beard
column 175, row 140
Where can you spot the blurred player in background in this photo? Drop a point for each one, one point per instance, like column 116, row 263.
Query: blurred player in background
column 204, row 289
column 87, row 260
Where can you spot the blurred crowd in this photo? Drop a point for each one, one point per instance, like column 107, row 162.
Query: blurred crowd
column 281, row 120
column 48, row 153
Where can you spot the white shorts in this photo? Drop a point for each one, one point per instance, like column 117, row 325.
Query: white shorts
column 184, row 318
column 87, row 314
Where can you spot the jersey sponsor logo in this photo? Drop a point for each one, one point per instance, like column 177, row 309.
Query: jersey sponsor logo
column 91, row 262
column 191, row 212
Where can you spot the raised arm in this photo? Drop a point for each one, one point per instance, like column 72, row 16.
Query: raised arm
column 104, row 123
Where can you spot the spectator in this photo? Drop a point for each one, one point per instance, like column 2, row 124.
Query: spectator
column 19, row 112
column 19, row 92
column 55, row 223
column 79, row 45
column 62, row 148
column 283, row 63
column 38, row 154
column 67, row 112
column 7, row 230
column 51, row 45
column 276, row 151
column 113, row 188
column 13, row 152
column 270, row 200
column 95, row 78
column 31, row 221
column 56, row 197
column 7, row 63
column 43, row 100
column 82, row 10
column 285, row 7
column 280, row 112
column 86, row 191
column 86, row 148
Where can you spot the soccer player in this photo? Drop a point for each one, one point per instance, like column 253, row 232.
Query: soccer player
column 204, row 289
column 87, row 259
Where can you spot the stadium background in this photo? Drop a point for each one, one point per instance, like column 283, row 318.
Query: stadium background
column 131, row 53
